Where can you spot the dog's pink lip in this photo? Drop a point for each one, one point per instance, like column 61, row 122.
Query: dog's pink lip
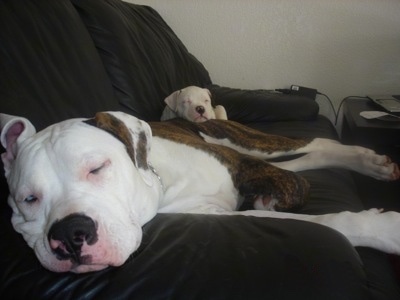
column 88, row 268
column 201, row 118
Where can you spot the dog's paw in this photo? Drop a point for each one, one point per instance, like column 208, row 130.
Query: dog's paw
column 280, row 193
column 262, row 202
column 377, row 166
column 369, row 228
column 385, row 231
column 380, row 167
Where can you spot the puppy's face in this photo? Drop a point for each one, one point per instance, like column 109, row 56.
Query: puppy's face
column 192, row 103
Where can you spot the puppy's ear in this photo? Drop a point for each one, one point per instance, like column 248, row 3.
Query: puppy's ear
column 135, row 134
column 172, row 101
column 14, row 130
column 210, row 95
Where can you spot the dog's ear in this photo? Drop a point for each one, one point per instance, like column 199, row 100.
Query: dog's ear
column 168, row 114
column 210, row 95
column 172, row 101
column 135, row 134
column 14, row 130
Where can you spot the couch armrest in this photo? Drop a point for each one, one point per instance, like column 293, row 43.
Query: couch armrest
column 248, row 106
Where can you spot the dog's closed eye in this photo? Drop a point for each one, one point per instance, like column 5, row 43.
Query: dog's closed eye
column 31, row 199
column 96, row 170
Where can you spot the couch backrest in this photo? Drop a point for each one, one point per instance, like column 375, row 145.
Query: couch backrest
column 61, row 59
column 144, row 58
column 49, row 67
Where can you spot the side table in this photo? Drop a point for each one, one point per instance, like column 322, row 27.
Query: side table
column 375, row 133
column 381, row 136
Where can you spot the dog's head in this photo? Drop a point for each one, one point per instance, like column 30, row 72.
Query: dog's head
column 80, row 194
column 193, row 104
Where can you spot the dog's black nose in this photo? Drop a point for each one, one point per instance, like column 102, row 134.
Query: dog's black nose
column 67, row 236
column 200, row 109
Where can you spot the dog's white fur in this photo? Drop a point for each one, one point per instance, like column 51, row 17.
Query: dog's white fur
column 193, row 104
column 72, row 167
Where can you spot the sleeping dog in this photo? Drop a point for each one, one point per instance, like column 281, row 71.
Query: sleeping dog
column 193, row 104
column 82, row 189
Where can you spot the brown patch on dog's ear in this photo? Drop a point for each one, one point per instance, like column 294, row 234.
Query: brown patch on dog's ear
column 136, row 149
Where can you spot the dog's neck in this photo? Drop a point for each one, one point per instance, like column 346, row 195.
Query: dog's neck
column 157, row 175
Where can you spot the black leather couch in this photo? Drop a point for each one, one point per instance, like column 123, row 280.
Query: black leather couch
column 71, row 58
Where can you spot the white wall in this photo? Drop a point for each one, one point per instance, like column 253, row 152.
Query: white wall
column 340, row 47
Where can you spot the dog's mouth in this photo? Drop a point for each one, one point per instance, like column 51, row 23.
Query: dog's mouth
column 81, row 243
column 200, row 119
column 87, row 268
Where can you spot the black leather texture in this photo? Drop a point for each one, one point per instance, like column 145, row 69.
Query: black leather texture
column 50, row 69
column 144, row 58
column 252, row 106
column 61, row 59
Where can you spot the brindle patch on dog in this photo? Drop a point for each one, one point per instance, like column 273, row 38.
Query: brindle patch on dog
column 249, row 138
column 253, row 177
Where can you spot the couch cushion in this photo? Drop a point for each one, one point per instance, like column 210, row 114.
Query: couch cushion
column 144, row 58
column 250, row 106
column 50, row 69
column 203, row 257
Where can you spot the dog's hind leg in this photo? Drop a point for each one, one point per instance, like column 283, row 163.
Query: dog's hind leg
column 323, row 153
column 250, row 141
column 320, row 152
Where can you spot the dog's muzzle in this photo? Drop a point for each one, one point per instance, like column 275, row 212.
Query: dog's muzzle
column 67, row 236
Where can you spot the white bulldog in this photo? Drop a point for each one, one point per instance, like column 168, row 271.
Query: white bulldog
column 81, row 190
column 193, row 104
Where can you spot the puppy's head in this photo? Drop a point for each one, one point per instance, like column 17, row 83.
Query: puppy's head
column 191, row 103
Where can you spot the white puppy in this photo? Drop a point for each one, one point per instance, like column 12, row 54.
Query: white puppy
column 193, row 104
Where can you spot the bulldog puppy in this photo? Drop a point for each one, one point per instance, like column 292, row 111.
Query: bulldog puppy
column 193, row 104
